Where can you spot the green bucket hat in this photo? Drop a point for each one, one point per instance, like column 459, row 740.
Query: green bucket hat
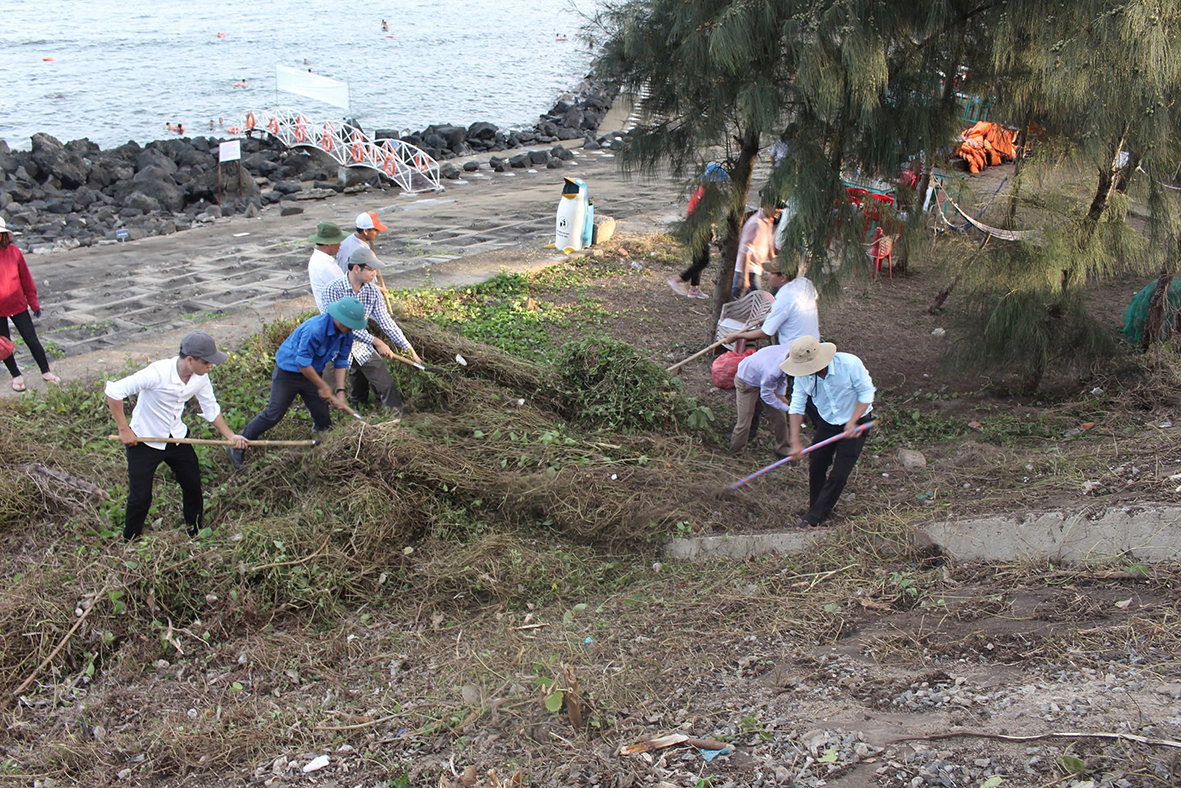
column 349, row 312
column 328, row 233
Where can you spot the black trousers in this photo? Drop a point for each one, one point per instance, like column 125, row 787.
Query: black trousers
column 24, row 324
column 374, row 374
column 142, row 461
column 825, row 487
column 692, row 274
column 285, row 387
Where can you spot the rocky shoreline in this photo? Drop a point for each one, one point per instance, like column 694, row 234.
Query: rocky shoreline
column 65, row 195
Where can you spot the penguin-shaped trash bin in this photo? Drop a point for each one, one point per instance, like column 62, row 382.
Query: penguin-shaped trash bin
column 571, row 219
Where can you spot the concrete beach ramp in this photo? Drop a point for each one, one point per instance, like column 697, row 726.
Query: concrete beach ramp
column 1135, row 533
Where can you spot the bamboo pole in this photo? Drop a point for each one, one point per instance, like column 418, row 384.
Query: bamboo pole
column 207, row 442
column 389, row 304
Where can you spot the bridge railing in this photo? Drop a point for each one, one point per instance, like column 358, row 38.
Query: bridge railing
column 407, row 165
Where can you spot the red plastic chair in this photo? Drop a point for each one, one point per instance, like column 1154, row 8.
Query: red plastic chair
column 856, row 196
column 873, row 209
column 881, row 250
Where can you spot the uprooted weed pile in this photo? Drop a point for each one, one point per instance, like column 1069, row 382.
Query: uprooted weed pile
column 462, row 503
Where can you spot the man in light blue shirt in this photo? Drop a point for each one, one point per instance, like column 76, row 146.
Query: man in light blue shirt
column 840, row 392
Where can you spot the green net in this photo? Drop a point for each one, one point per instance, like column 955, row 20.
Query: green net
column 1137, row 312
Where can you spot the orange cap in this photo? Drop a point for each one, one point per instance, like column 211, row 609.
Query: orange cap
column 369, row 221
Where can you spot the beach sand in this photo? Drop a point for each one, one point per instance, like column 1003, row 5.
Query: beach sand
column 117, row 304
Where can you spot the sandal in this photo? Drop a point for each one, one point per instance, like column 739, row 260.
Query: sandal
column 49, row 377
column 18, row 383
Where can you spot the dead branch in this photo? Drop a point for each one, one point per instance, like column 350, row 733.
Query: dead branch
column 1035, row 737
column 61, row 477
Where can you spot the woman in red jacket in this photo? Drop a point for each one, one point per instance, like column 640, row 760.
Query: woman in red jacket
column 18, row 295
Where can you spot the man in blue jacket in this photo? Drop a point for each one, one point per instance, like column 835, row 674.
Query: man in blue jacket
column 299, row 366
column 840, row 392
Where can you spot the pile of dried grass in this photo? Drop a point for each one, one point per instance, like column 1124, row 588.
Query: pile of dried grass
column 534, row 382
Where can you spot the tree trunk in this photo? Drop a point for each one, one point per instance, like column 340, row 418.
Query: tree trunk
column 1154, row 321
column 943, row 294
column 740, row 188
column 951, row 70
column 1123, row 176
column 1102, row 195
column 1022, row 141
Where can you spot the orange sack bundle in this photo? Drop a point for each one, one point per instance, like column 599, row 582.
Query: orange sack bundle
column 986, row 144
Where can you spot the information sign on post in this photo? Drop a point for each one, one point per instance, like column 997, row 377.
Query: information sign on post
column 229, row 151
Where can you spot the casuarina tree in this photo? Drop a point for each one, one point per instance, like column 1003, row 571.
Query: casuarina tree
column 711, row 78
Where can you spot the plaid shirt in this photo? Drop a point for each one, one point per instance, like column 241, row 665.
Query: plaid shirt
column 375, row 309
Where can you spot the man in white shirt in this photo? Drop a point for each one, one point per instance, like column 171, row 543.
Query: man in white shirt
column 322, row 267
column 368, row 228
column 835, row 388
column 163, row 388
column 794, row 313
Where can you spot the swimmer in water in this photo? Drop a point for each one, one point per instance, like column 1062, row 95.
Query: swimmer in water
column 385, row 28
column 241, row 83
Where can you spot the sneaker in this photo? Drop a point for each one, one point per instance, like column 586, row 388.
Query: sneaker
column 236, row 456
column 18, row 383
column 679, row 286
column 695, row 292
column 49, row 377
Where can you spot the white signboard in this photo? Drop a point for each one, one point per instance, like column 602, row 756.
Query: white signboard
column 304, row 83
column 230, row 151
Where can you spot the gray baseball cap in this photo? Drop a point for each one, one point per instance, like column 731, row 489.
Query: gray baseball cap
column 363, row 255
column 200, row 345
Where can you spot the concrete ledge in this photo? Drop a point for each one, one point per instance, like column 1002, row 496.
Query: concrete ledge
column 741, row 545
column 1142, row 533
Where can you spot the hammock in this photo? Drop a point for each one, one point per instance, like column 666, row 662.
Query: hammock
column 996, row 232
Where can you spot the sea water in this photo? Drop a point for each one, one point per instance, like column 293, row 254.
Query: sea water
column 119, row 70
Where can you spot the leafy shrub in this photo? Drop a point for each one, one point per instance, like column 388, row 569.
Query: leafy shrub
column 614, row 386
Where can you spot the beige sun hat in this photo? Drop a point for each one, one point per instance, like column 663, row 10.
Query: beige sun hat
column 807, row 355
column 5, row 229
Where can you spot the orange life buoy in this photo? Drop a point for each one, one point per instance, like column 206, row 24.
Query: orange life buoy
column 358, row 149
column 274, row 125
column 326, row 137
column 390, row 165
column 249, row 121
column 420, row 162
column 301, row 131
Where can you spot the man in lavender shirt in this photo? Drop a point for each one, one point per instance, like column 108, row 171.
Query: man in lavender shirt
column 761, row 382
